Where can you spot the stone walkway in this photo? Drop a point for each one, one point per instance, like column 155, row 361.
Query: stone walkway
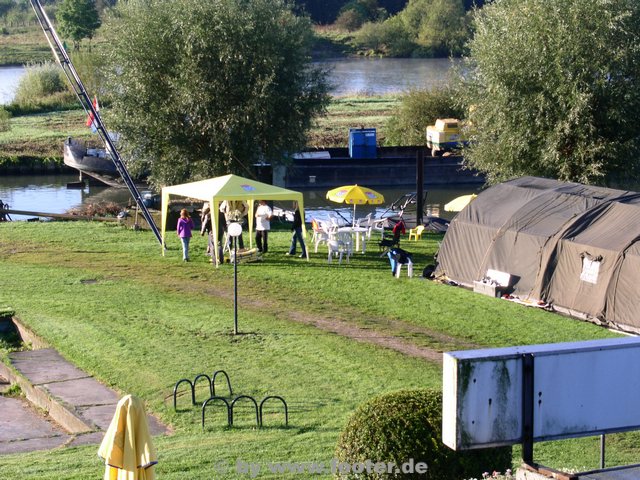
column 79, row 407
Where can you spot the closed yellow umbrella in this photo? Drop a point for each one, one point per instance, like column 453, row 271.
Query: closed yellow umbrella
column 457, row 204
column 355, row 195
column 127, row 448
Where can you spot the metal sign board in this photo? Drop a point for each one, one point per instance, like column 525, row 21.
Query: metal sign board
column 579, row 389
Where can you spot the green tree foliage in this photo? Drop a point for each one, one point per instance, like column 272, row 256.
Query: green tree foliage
column 208, row 88
column 5, row 7
column 434, row 28
column 399, row 426
column 552, row 87
column 78, row 19
column 389, row 38
column 355, row 13
column 417, row 110
column 327, row 11
column 90, row 69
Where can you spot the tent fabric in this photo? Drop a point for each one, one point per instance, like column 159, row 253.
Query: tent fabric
column 571, row 245
column 228, row 187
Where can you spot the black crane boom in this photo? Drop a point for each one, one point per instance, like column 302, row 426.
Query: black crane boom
column 64, row 61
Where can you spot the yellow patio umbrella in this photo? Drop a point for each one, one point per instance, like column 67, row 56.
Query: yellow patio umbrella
column 127, row 448
column 355, row 195
column 457, row 204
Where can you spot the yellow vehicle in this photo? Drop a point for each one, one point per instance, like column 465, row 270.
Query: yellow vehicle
column 445, row 135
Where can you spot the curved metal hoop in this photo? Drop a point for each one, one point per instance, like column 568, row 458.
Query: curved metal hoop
column 286, row 409
column 255, row 404
column 175, row 392
column 214, row 398
column 198, row 377
column 213, row 382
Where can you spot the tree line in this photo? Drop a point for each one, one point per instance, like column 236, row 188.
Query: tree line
column 547, row 88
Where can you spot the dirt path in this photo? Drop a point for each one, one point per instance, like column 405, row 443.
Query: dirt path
column 385, row 332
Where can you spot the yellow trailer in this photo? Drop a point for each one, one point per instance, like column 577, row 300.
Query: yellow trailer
column 445, row 135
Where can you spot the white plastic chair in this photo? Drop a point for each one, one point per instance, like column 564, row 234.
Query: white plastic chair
column 340, row 246
column 409, row 265
column 320, row 234
column 374, row 225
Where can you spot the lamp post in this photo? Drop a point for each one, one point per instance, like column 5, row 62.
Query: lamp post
column 234, row 229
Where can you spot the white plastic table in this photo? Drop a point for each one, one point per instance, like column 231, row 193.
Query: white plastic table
column 360, row 233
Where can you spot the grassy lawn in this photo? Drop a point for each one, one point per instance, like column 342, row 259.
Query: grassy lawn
column 107, row 300
column 24, row 44
column 41, row 136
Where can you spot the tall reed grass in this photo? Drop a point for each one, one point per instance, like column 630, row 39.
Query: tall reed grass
column 5, row 116
column 43, row 87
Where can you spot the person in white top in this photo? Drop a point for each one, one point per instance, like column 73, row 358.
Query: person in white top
column 263, row 225
column 234, row 211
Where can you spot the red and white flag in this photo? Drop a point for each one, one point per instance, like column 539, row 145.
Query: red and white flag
column 90, row 121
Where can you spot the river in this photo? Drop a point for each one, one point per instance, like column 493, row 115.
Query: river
column 373, row 76
column 361, row 75
column 49, row 193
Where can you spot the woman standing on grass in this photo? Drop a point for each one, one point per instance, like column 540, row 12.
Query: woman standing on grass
column 185, row 225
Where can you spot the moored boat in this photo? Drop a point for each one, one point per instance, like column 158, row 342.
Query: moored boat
column 93, row 162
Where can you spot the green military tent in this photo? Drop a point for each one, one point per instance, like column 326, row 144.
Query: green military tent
column 574, row 246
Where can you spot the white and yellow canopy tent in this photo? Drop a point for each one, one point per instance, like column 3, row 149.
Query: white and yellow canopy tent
column 228, row 187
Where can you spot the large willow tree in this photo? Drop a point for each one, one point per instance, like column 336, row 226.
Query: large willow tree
column 553, row 89
column 207, row 88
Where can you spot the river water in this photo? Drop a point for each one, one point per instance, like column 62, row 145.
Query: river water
column 49, row 194
column 361, row 75
column 372, row 76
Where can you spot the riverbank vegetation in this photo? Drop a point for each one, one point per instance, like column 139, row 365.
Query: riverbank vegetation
column 325, row 337
column 397, row 28
column 39, row 137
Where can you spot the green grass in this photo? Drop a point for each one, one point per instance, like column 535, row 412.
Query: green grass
column 353, row 111
column 21, row 45
column 41, row 136
column 108, row 301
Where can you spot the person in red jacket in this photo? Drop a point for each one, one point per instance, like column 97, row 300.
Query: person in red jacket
column 399, row 229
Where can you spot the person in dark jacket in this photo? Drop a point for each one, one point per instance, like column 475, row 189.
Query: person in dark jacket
column 296, row 228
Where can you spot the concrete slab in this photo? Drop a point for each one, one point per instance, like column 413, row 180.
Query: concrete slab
column 32, row 445
column 86, row 439
column 74, row 399
column 18, row 421
column 44, row 366
column 100, row 415
column 22, row 429
column 82, row 392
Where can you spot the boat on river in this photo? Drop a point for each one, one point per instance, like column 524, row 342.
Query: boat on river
column 92, row 162
column 383, row 167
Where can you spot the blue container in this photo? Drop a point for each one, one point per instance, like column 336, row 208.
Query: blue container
column 362, row 142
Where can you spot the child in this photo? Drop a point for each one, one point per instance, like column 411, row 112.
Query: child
column 185, row 225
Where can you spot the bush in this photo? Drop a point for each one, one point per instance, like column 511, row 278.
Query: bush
column 405, row 425
column 42, row 85
column 388, row 38
column 5, row 116
column 419, row 109
column 349, row 20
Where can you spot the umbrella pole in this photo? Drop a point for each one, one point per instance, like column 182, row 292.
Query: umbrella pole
column 353, row 219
